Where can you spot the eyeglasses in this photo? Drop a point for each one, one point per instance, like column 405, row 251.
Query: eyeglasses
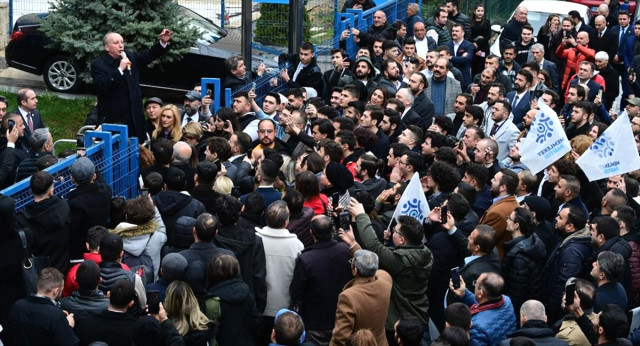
column 510, row 219
column 403, row 163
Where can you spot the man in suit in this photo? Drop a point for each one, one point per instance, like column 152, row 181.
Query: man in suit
column 622, row 31
column 503, row 188
column 112, row 326
column 422, row 104
column 537, row 52
column 483, row 255
column 27, row 103
column 611, row 78
column 461, row 52
column 520, row 97
column 503, row 130
column 364, row 301
column 632, row 46
column 332, row 77
column 408, row 116
column 603, row 39
column 116, row 80
column 577, row 20
column 442, row 89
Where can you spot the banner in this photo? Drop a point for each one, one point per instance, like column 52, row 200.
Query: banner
column 413, row 202
column 546, row 141
column 613, row 153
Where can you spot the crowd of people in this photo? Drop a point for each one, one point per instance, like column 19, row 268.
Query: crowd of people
column 275, row 223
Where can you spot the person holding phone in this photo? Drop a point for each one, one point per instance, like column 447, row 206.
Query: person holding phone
column 12, row 148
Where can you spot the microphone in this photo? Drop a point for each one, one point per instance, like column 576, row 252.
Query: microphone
column 123, row 55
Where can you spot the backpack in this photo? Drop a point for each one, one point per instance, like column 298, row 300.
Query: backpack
column 141, row 265
column 214, row 313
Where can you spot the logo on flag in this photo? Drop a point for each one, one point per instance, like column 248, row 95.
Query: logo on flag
column 413, row 203
column 546, row 142
column 607, row 157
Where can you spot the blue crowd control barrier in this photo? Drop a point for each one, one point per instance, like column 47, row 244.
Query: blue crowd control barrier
column 115, row 156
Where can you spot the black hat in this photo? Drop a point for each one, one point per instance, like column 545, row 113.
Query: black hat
column 153, row 100
column 339, row 176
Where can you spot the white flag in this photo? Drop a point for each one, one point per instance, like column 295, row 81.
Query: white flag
column 546, row 141
column 413, row 202
column 613, row 153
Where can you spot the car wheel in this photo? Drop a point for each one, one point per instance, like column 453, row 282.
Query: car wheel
column 61, row 74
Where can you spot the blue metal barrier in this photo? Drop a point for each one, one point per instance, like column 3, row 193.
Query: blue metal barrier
column 115, row 156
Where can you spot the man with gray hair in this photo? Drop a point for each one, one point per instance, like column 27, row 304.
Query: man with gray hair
column 181, row 158
column 533, row 320
column 41, row 143
column 364, row 302
column 537, row 55
column 281, row 249
column 611, row 78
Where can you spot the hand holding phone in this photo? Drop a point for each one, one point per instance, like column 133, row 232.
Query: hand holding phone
column 153, row 302
column 569, row 292
column 345, row 222
column 443, row 214
column 455, row 277
column 143, row 193
column 12, row 124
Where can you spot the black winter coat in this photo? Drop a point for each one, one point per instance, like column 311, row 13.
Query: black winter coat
column 46, row 225
column 198, row 256
column 172, row 205
column 537, row 331
column 522, row 268
column 89, row 204
column 38, row 321
column 239, row 318
column 249, row 251
column 10, row 261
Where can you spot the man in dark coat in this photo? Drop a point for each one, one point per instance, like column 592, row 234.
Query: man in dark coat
column 116, row 79
column 89, row 204
column 247, row 247
column 484, row 255
column 47, row 220
column 302, row 69
column 113, row 326
column 201, row 252
column 379, row 28
column 321, row 272
column 533, row 321
column 37, row 320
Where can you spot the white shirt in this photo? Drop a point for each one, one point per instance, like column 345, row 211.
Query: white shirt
column 422, row 47
column 185, row 117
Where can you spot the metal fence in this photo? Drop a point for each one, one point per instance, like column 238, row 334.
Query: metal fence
column 114, row 155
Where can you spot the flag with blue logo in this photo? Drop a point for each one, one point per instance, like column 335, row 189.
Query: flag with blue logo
column 413, row 202
column 546, row 141
column 613, row 153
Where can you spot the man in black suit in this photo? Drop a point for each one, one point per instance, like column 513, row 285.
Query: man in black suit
column 303, row 70
column 409, row 116
column 611, row 79
column 622, row 31
column 27, row 103
column 537, row 52
column 113, row 326
column 116, row 79
column 603, row 39
column 237, row 76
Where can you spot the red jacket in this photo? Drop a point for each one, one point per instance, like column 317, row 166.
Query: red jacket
column 70, row 283
column 574, row 56
column 316, row 203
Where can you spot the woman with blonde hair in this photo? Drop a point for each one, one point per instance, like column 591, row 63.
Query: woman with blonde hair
column 170, row 126
column 182, row 308
column 223, row 185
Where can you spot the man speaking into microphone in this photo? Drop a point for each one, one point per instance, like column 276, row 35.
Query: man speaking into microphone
column 116, row 80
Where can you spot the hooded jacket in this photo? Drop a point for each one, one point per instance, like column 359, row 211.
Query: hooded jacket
column 522, row 268
column 48, row 221
column 240, row 318
column 172, row 205
column 408, row 265
column 150, row 236
column 249, row 251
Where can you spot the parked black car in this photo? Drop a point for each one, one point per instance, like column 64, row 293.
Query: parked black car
column 26, row 51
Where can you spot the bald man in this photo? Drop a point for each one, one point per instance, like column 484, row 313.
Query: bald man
column 380, row 28
column 603, row 39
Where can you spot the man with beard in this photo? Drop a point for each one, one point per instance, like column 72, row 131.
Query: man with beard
column 423, row 43
column 366, row 169
column 493, row 61
column 513, row 161
column 334, row 98
column 390, row 124
column 570, row 258
column 192, row 108
column 429, row 63
column 503, row 131
column 364, row 74
column 438, row 23
column 370, row 120
column 480, row 91
column 503, row 189
column 409, row 51
column 267, row 137
column 442, row 88
column 576, row 94
column 380, row 28
column 459, row 108
column 461, row 52
column 579, row 120
column 536, row 87
column 247, row 120
column 509, row 67
column 353, row 111
column 458, row 17
column 496, row 92
column 520, row 97
column 269, row 110
column 391, row 77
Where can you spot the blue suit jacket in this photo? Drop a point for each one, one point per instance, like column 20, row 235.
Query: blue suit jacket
column 463, row 62
column 623, row 42
column 627, row 54
column 523, row 106
column 551, row 67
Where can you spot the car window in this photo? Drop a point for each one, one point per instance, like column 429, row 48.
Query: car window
column 210, row 32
